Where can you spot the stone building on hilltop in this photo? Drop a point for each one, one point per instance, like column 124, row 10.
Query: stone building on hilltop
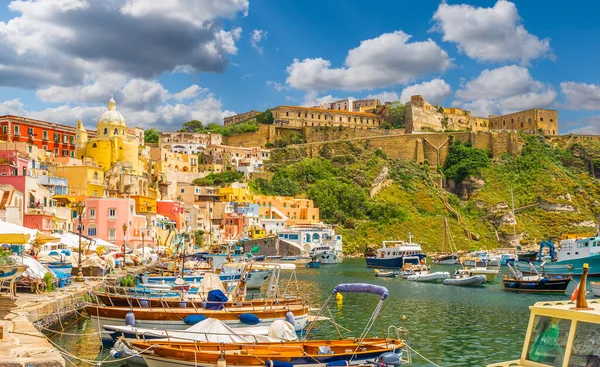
column 298, row 117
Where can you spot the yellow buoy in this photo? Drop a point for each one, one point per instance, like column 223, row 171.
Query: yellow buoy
column 377, row 270
column 339, row 297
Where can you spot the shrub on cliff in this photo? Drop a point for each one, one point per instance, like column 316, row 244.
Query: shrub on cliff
column 464, row 161
column 219, row 179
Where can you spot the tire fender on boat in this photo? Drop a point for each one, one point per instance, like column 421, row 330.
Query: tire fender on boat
column 194, row 319
column 249, row 318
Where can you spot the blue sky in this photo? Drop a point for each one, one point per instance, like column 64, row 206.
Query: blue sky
column 168, row 62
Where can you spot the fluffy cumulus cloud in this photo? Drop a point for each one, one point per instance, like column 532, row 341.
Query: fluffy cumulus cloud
column 433, row 91
column 277, row 86
column 387, row 60
column 256, row 37
column 489, row 34
column 581, row 96
column 383, row 97
column 504, row 90
column 77, row 52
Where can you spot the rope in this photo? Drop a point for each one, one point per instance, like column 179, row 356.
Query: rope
column 422, row 356
column 68, row 334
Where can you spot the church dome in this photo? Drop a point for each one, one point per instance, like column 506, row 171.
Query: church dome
column 111, row 117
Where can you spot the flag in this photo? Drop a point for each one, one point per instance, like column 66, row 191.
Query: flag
column 574, row 294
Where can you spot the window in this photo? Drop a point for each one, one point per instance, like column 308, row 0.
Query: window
column 585, row 345
column 17, row 130
column 95, row 193
column 29, row 131
column 551, row 120
column 94, row 145
column 105, row 131
column 65, row 153
column 56, row 137
column 92, row 213
column 65, row 138
column 541, row 119
column 72, row 139
column 56, row 151
column 91, row 230
column 548, row 341
column 112, row 234
column 112, row 214
column 116, row 132
column 72, row 154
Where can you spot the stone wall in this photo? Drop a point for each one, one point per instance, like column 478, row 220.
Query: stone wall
column 271, row 246
column 264, row 134
column 236, row 119
column 528, row 121
column 421, row 116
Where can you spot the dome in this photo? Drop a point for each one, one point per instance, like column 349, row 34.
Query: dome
column 111, row 116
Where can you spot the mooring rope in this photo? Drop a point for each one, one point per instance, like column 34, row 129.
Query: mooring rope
column 422, row 356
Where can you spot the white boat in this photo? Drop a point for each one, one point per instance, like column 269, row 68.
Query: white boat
column 595, row 288
column 386, row 273
column 450, row 259
column 438, row 276
column 326, row 255
column 395, row 254
column 464, row 278
column 410, row 269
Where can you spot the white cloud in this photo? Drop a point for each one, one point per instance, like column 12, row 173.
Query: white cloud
column 504, row 90
column 581, row 96
column 587, row 126
column 256, row 36
column 312, row 99
column 140, row 94
column 277, row 86
column 387, row 60
column 190, row 92
column 489, row 34
column 433, row 91
column 68, row 43
column 384, row 96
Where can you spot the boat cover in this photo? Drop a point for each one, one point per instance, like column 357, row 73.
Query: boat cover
column 35, row 270
column 211, row 281
column 282, row 330
column 362, row 288
column 216, row 298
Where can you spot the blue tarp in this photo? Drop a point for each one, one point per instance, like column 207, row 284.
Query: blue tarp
column 362, row 288
column 216, row 299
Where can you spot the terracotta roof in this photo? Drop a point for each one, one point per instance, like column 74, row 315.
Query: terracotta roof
column 324, row 110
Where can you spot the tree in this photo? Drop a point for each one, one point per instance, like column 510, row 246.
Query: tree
column 464, row 161
column 265, row 117
column 338, row 200
column 192, row 126
column 396, row 111
column 219, row 179
column 151, row 136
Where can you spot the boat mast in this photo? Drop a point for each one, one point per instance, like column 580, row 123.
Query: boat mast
column 512, row 195
column 445, row 242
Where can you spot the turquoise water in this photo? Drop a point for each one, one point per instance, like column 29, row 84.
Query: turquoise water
column 452, row 326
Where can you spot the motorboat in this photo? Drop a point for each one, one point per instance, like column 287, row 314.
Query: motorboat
column 332, row 352
column 571, row 256
column 447, row 259
column 313, row 263
column 595, row 288
column 539, row 283
column 412, row 269
column 395, row 254
column 386, row 273
column 561, row 333
column 464, row 277
column 504, row 258
column 326, row 255
column 479, row 267
column 477, row 257
column 437, row 277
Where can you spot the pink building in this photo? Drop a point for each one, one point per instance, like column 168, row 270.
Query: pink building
column 232, row 226
column 13, row 163
column 173, row 210
column 104, row 219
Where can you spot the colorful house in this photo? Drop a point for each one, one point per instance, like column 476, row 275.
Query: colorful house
column 298, row 211
column 173, row 210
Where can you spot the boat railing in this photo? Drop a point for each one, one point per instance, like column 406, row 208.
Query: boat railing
column 142, row 335
column 401, row 333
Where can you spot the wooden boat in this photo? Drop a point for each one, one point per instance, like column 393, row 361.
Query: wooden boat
column 414, row 269
column 338, row 352
column 120, row 300
column 8, row 272
column 169, row 318
column 562, row 333
column 539, row 283
column 465, row 278
column 301, row 353
column 595, row 288
column 436, row 277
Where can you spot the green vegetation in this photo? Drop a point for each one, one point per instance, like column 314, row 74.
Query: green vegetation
column 49, row 280
column 127, row 281
column 151, row 136
column 197, row 127
column 290, row 138
column 464, row 161
column 265, row 117
column 340, row 176
column 219, row 179
column 395, row 115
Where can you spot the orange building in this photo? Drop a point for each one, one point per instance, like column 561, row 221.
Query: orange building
column 297, row 211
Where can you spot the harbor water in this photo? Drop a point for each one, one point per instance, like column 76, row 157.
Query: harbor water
column 452, row 326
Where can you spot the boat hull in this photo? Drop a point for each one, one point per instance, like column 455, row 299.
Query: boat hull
column 329, row 258
column 466, row 282
column 436, row 277
column 548, row 286
column 392, row 263
column 7, row 272
column 313, row 264
column 449, row 260
column 490, row 275
column 595, row 288
column 574, row 266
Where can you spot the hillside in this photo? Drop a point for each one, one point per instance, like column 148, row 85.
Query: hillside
column 371, row 197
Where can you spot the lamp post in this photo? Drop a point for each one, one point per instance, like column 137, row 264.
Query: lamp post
column 79, row 207
column 143, row 254
column 124, row 236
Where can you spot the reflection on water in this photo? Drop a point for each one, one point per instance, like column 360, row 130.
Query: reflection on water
column 452, row 326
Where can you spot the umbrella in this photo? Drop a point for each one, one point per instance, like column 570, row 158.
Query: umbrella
column 14, row 233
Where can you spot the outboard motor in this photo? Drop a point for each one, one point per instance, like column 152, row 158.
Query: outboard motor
column 388, row 359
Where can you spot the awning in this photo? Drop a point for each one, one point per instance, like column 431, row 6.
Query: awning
column 64, row 198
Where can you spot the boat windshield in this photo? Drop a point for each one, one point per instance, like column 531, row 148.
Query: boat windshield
column 586, row 346
column 548, row 340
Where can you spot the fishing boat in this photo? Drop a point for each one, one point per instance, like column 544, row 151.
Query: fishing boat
column 464, row 277
column 332, row 352
column 386, row 273
column 326, row 255
column 539, row 283
column 395, row 254
column 595, row 288
column 562, row 333
column 448, row 243
column 571, row 256
column 437, row 277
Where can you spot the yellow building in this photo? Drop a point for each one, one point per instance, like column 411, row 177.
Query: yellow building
column 298, row 211
column 112, row 143
column 145, row 204
column 84, row 180
column 235, row 194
